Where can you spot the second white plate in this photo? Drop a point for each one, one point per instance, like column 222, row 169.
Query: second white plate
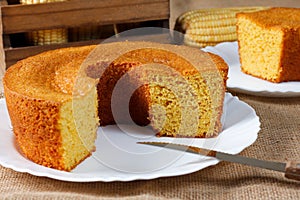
column 241, row 82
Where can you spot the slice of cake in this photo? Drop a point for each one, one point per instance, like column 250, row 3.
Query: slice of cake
column 57, row 99
column 54, row 122
column 269, row 44
column 177, row 90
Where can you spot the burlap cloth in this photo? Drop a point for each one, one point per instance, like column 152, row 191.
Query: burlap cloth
column 278, row 140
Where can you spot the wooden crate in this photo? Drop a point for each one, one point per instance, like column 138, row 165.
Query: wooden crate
column 17, row 19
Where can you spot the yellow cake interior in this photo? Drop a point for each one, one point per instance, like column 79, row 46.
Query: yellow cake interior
column 269, row 43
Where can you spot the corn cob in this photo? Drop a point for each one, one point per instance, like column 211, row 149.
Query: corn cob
column 208, row 27
column 43, row 37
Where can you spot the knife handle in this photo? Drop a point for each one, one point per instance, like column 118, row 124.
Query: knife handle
column 292, row 170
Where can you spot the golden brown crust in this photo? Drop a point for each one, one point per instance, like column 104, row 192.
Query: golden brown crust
column 221, row 65
column 275, row 18
column 35, row 127
column 49, row 75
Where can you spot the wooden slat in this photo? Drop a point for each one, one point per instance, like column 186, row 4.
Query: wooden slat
column 68, row 5
column 6, row 41
column 24, row 18
column 2, row 54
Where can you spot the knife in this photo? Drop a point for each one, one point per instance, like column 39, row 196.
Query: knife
column 291, row 169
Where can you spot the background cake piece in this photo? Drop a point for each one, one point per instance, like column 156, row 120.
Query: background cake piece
column 269, row 44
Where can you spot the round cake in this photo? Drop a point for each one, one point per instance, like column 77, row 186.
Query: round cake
column 57, row 100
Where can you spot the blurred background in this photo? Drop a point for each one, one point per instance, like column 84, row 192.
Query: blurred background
column 180, row 6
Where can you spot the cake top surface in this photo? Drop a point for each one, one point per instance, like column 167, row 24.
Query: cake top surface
column 149, row 52
column 275, row 17
column 52, row 75
column 49, row 75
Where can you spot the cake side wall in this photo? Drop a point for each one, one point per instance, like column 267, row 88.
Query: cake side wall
column 34, row 124
column 291, row 55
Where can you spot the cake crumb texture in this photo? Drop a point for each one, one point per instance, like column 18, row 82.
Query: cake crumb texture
column 269, row 44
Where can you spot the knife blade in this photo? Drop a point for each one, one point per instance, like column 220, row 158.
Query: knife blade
column 291, row 169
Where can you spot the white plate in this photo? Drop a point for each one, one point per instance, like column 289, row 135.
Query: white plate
column 241, row 82
column 119, row 158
